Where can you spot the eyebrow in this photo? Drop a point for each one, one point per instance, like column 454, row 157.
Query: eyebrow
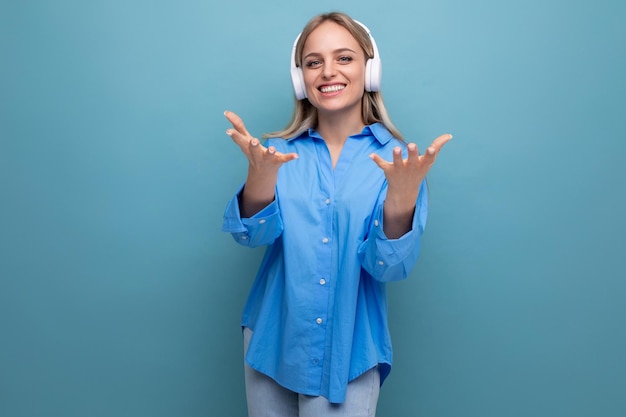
column 334, row 52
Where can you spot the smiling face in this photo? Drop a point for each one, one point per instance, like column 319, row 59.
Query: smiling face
column 333, row 66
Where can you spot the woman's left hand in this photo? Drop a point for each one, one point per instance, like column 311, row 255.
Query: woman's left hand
column 404, row 177
column 407, row 174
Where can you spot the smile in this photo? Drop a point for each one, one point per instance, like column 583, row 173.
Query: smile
column 332, row 88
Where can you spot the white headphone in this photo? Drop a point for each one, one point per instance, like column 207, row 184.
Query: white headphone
column 373, row 69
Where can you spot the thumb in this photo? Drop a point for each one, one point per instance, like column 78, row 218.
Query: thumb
column 378, row 160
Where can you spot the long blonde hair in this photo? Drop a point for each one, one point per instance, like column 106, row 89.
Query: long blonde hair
column 372, row 106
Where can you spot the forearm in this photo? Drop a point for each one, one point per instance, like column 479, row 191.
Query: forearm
column 258, row 192
column 398, row 212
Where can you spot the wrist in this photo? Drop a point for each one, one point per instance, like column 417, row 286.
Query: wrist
column 401, row 200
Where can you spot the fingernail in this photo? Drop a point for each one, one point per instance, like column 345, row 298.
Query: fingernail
column 431, row 151
column 229, row 132
column 450, row 136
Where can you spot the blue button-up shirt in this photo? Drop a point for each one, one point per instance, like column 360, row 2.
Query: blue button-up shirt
column 318, row 305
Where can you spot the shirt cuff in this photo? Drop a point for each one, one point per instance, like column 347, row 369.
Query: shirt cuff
column 261, row 228
column 394, row 251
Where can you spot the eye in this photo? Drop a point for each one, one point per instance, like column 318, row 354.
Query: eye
column 344, row 59
column 313, row 63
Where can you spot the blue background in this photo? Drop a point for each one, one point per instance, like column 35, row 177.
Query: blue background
column 119, row 295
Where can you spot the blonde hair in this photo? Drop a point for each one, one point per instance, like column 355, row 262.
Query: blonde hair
column 372, row 106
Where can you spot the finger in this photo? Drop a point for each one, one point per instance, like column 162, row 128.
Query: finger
column 291, row 156
column 413, row 154
column 382, row 164
column 237, row 123
column 286, row 157
column 255, row 146
column 397, row 156
column 271, row 155
column 435, row 147
column 438, row 143
column 238, row 138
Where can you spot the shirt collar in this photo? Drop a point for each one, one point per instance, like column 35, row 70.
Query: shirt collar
column 378, row 130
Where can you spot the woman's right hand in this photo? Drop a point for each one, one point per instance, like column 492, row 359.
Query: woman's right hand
column 263, row 165
column 260, row 158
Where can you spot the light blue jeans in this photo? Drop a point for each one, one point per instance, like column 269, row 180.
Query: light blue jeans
column 268, row 399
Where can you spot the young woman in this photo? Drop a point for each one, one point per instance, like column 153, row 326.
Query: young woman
column 341, row 203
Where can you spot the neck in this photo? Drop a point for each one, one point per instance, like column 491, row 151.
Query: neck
column 335, row 129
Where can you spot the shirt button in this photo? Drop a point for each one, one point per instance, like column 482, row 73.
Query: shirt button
column 322, row 281
column 261, row 221
column 381, row 263
column 325, row 240
column 244, row 237
column 375, row 222
column 327, row 201
column 318, row 320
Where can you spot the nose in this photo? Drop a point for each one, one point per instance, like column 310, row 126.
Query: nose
column 329, row 70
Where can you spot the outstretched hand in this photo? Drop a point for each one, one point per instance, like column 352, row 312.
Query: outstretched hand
column 407, row 174
column 263, row 165
column 259, row 157
column 404, row 178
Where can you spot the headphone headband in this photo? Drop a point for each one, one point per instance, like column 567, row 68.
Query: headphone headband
column 373, row 68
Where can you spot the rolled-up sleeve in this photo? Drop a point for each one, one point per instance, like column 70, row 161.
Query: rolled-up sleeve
column 261, row 229
column 392, row 259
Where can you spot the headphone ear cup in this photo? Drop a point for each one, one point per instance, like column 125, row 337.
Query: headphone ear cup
column 297, row 79
column 373, row 74
column 368, row 75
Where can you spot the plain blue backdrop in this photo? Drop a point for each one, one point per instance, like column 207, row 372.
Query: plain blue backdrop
column 119, row 295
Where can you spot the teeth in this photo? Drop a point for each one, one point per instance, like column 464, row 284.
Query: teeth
column 332, row 88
